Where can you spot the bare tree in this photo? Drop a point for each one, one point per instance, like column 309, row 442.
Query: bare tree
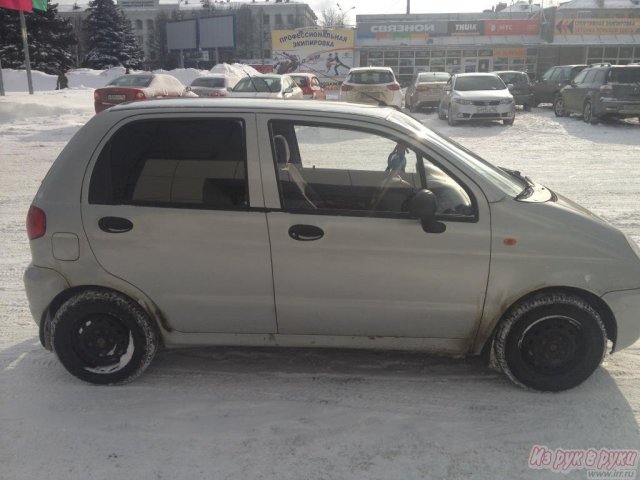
column 332, row 18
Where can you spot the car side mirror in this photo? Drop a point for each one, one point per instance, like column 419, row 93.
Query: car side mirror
column 510, row 86
column 423, row 206
column 573, row 84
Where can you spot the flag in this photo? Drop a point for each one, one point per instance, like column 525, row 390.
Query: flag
column 39, row 5
column 24, row 5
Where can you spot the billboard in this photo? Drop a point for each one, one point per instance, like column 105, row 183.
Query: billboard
column 466, row 28
column 512, row 27
column 598, row 26
column 413, row 31
column 218, row 32
column 182, row 35
column 327, row 53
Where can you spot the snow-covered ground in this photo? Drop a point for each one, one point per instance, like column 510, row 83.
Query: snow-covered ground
column 231, row 413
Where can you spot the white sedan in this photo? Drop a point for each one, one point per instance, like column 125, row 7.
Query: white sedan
column 267, row 86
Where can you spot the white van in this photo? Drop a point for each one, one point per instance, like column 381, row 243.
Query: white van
column 315, row 224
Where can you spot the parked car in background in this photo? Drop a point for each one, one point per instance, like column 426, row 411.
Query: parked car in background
column 425, row 90
column 138, row 86
column 267, row 86
column 520, row 87
column 310, row 85
column 476, row 96
column 601, row 91
column 215, row 85
column 377, row 85
column 262, row 223
column 552, row 81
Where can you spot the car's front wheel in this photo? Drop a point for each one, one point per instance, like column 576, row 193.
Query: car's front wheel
column 558, row 106
column 450, row 118
column 509, row 121
column 441, row 114
column 550, row 342
column 103, row 337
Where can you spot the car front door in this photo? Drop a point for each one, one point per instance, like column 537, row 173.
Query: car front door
column 170, row 208
column 574, row 94
column 347, row 258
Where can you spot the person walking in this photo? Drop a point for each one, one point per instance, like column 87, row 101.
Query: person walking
column 338, row 63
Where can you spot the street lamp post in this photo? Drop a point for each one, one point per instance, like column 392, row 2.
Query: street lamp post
column 343, row 13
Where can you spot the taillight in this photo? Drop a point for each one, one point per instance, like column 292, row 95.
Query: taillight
column 606, row 89
column 423, row 88
column 393, row 86
column 96, row 96
column 346, row 88
column 36, row 223
column 140, row 95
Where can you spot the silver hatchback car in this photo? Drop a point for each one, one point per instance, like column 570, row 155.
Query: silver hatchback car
column 319, row 224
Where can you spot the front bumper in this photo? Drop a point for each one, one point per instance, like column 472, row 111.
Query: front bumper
column 42, row 285
column 625, row 305
column 472, row 112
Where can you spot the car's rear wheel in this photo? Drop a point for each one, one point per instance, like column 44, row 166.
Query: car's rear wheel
column 587, row 114
column 450, row 118
column 559, row 107
column 550, row 342
column 441, row 114
column 509, row 122
column 103, row 337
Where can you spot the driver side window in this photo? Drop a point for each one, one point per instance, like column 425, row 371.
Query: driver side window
column 341, row 170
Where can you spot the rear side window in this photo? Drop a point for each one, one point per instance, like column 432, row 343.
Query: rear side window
column 625, row 75
column 199, row 163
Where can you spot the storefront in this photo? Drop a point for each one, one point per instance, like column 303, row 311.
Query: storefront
column 420, row 43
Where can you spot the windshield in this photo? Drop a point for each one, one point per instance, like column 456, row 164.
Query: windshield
column 433, row 77
column 371, row 77
column 625, row 75
column 479, row 82
column 507, row 183
column 131, row 81
column 210, row 82
column 258, row 84
column 516, row 78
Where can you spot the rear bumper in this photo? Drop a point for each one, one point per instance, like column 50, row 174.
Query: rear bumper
column 625, row 306
column 42, row 285
column 619, row 107
column 463, row 113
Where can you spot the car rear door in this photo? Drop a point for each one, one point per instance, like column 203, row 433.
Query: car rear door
column 347, row 259
column 172, row 204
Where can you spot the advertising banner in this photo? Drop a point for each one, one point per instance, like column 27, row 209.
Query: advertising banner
column 598, row 26
column 327, row 53
column 512, row 27
column 464, row 28
column 512, row 52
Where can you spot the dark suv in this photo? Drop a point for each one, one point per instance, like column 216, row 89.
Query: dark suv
column 519, row 86
column 547, row 88
column 602, row 91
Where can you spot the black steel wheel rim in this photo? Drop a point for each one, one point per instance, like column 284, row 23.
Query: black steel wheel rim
column 100, row 340
column 553, row 344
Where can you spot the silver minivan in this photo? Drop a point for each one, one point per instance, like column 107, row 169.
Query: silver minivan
column 315, row 224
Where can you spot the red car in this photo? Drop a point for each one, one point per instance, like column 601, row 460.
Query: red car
column 310, row 85
column 139, row 86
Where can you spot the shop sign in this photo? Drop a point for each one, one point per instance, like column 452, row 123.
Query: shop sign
column 462, row 28
column 598, row 26
column 513, row 52
column 511, row 27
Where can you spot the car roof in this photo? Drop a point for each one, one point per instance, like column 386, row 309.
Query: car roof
column 302, row 74
column 498, row 72
column 475, row 74
column 367, row 69
column 252, row 105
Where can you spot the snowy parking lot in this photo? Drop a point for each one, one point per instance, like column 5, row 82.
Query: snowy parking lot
column 233, row 413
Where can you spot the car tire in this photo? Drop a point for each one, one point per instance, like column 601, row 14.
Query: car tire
column 450, row 119
column 103, row 337
column 550, row 342
column 412, row 108
column 509, row 122
column 441, row 114
column 587, row 114
column 558, row 107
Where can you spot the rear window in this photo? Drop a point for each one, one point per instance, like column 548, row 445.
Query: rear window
column 208, row 82
column 433, row 77
column 301, row 81
column 625, row 75
column 479, row 82
column 131, row 81
column 173, row 163
column 371, row 77
column 575, row 71
column 258, row 84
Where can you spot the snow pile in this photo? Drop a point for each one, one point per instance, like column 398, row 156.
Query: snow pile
column 16, row 80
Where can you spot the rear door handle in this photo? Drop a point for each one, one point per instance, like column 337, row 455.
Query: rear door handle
column 115, row 224
column 305, row 233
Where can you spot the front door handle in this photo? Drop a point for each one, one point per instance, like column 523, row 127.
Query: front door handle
column 115, row 224
column 305, row 233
